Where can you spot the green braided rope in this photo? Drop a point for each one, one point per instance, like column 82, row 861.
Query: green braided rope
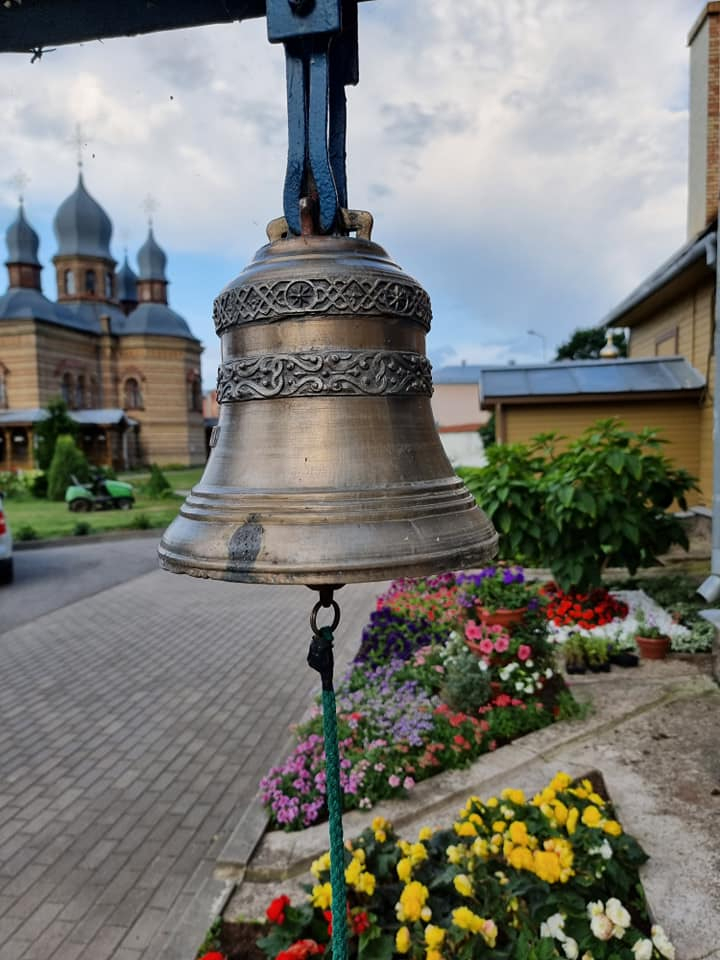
column 334, row 803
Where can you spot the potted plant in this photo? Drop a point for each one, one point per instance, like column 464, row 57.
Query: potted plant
column 596, row 651
column 574, row 654
column 652, row 642
column 499, row 595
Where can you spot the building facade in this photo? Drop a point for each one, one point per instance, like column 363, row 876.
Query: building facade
column 124, row 362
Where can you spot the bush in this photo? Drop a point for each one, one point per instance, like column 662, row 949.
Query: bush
column 82, row 528
column 12, row 484
column 157, row 485
column 39, row 487
column 67, row 461
column 600, row 501
column 26, row 532
column 141, row 521
column 58, row 423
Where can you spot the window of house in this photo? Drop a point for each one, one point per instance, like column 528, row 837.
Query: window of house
column 66, row 389
column 3, row 388
column 69, row 282
column 133, row 395
column 80, row 392
column 108, row 285
column 89, row 281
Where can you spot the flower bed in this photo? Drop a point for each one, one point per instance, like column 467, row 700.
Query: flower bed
column 552, row 876
column 416, row 701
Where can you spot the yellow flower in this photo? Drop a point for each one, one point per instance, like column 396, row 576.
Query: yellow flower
column 499, row 826
column 464, row 918
column 359, row 854
column 366, row 883
column 402, row 940
column 612, row 827
column 412, row 900
column 547, row 865
column 322, row 896
column 507, row 812
column 596, row 799
column 476, row 819
column 479, row 848
column 404, row 869
column 591, row 816
column 380, row 823
column 521, row 858
column 320, row 865
column 418, row 853
column 514, row 796
column 352, row 872
column 433, row 954
column 456, row 854
column 434, row 936
column 426, row 914
column 561, row 781
column 466, row 829
column 572, row 819
column 560, row 811
column 518, row 832
column 425, row 833
column 492, row 802
column 463, row 885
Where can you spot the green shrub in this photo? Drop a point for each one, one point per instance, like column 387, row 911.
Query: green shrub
column 601, row 501
column 158, row 485
column 26, row 532
column 466, row 687
column 12, row 484
column 58, row 423
column 40, row 486
column 67, row 461
column 141, row 521
column 82, row 528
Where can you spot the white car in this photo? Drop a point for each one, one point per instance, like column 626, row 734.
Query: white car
column 6, row 547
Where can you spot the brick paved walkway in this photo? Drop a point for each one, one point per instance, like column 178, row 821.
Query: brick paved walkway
column 134, row 727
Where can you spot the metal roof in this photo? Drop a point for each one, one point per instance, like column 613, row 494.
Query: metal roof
column 99, row 417
column 590, row 377
column 463, row 373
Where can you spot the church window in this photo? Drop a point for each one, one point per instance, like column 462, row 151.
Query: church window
column 80, row 392
column 66, row 389
column 89, row 281
column 133, row 395
column 108, row 285
column 69, row 282
column 195, row 398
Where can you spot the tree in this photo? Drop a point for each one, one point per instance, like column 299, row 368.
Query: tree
column 68, row 461
column 600, row 501
column 57, row 423
column 586, row 344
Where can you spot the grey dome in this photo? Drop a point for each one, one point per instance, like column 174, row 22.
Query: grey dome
column 22, row 241
column 126, row 283
column 21, row 303
column 82, row 226
column 156, row 319
column 151, row 259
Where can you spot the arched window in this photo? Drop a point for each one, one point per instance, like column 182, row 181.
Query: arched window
column 80, row 392
column 66, row 389
column 89, row 281
column 69, row 281
column 132, row 395
column 108, row 285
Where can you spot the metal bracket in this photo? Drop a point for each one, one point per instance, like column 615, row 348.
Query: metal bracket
column 320, row 38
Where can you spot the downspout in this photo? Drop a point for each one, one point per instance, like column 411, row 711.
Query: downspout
column 709, row 590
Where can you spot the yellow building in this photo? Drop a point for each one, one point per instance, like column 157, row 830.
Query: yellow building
column 126, row 364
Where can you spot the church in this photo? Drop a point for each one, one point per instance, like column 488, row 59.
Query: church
column 124, row 362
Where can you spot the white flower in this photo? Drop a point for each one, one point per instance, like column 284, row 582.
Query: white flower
column 571, row 949
column 617, row 913
column 548, row 673
column 587, row 956
column 643, row 950
column 663, row 945
column 529, row 664
column 604, row 850
column 482, row 666
column 602, row 926
column 553, row 927
column 595, row 908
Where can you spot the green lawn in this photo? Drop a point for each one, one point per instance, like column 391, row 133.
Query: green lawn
column 50, row 520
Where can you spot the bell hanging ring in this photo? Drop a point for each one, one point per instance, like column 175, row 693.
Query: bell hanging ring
column 325, row 466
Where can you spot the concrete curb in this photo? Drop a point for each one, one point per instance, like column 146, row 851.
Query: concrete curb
column 125, row 534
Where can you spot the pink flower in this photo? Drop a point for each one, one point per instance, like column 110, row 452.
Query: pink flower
column 408, row 783
column 524, row 651
column 502, row 643
column 486, row 645
column 394, row 780
column 473, row 631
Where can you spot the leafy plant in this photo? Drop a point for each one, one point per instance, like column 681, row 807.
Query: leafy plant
column 600, row 501
column 58, row 423
column 574, row 651
column 82, row 528
column 68, row 461
column 596, row 650
column 141, row 521
column 158, row 484
column 646, row 627
column 496, row 588
column 466, row 686
column 26, row 532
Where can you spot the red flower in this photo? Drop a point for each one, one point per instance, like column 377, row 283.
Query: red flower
column 360, row 922
column 213, row 955
column 276, row 911
column 300, row 950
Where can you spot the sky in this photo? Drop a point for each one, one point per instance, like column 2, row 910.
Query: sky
column 525, row 160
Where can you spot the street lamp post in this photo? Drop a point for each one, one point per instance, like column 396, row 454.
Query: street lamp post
column 534, row 333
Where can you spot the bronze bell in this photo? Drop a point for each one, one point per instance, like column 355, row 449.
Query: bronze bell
column 325, row 466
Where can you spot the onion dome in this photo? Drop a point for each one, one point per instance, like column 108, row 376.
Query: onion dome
column 156, row 319
column 82, row 226
column 22, row 241
column 126, row 283
column 151, row 259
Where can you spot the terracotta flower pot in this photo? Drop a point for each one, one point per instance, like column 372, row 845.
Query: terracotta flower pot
column 653, row 648
column 502, row 617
